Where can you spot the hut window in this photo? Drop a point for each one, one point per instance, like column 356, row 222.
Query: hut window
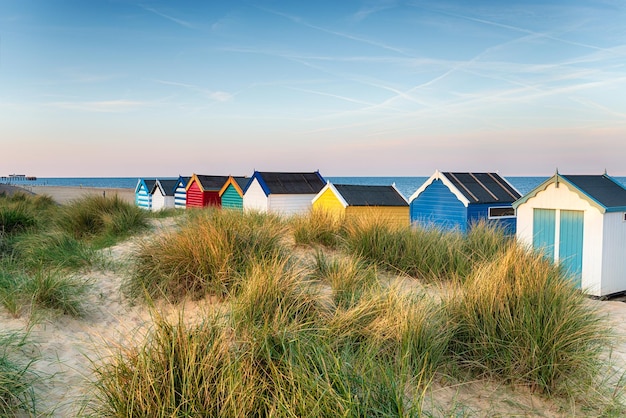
column 624, row 217
column 501, row 212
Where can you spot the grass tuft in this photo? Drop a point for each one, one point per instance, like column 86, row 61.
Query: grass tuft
column 519, row 319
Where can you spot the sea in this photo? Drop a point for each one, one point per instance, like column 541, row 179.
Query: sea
column 406, row 185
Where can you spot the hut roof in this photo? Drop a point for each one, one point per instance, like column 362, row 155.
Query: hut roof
column 366, row 195
column 483, row 187
column 167, row 187
column 289, row 183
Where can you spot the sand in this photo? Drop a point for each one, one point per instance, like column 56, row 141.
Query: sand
column 63, row 194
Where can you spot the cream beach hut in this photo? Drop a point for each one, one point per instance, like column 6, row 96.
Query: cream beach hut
column 579, row 221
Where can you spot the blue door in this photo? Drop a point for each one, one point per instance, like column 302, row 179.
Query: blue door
column 544, row 230
column 571, row 244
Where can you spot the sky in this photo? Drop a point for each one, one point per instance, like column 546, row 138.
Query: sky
column 125, row 88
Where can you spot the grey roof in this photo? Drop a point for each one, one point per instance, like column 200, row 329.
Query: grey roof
column 364, row 195
column 483, row 187
column 292, row 183
column 168, row 187
column 601, row 188
column 212, row 183
column 242, row 182
column 148, row 182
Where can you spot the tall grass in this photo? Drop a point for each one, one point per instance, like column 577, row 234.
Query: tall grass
column 206, row 255
column 519, row 319
column 277, row 351
column 427, row 253
column 16, row 379
column 317, row 227
column 94, row 216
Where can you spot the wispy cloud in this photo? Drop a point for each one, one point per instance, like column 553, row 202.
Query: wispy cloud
column 218, row 96
column 104, row 106
column 168, row 17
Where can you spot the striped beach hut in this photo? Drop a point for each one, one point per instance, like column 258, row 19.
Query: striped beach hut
column 286, row 193
column 351, row 201
column 579, row 221
column 204, row 190
column 454, row 200
column 180, row 193
column 231, row 193
column 143, row 193
column 163, row 194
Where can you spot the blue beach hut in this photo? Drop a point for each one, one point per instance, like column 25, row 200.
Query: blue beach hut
column 579, row 221
column 180, row 192
column 143, row 193
column 455, row 200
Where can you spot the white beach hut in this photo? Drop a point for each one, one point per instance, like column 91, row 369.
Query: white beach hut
column 579, row 221
column 163, row 194
column 283, row 193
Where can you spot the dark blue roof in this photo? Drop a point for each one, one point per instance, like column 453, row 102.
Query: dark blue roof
column 483, row 188
column 167, row 187
column 601, row 188
column 212, row 183
column 290, row 183
column 366, row 195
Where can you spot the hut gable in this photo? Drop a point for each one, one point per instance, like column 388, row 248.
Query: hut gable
column 143, row 193
column 578, row 221
column 231, row 192
column 450, row 200
column 203, row 190
column 163, row 194
column 180, row 192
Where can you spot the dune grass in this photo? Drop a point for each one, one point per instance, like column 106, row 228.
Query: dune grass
column 518, row 318
column 17, row 395
column 42, row 244
column 427, row 253
column 205, row 255
column 317, row 227
column 280, row 349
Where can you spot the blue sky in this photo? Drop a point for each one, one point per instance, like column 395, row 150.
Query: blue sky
column 352, row 88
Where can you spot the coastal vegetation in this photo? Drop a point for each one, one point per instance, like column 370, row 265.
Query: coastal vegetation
column 305, row 316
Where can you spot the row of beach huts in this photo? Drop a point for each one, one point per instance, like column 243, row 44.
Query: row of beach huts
column 578, row 221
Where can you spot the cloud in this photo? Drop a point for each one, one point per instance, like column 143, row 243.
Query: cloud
column 218, row 96
column 168, row 17
column 104, row 106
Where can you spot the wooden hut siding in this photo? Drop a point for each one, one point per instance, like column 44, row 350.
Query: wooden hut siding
column 180, row 194
column 398, row 215
column 143, row 195
column 329, row 202
column 438, row 206
column 231, row 199
column 613, row 263
column 480, row 213
column 195, row 197
column 289, row 204
column 254, row 198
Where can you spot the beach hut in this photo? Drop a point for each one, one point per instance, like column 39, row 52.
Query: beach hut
column 143, row 195
column 450, row 200
column 204, row 190
column 579, row 221
column 351, row 201
column 163, row 194
column 231, row 193
column 180, row 193
column 281, row 192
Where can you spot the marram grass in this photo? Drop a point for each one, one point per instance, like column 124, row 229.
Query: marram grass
column 205, row 255
column 519, row 319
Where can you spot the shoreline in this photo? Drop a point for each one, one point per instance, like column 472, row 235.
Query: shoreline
column 67, row 194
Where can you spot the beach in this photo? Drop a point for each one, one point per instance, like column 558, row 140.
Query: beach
column 64, row 194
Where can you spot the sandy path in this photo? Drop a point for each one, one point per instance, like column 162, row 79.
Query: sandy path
column 62, row 194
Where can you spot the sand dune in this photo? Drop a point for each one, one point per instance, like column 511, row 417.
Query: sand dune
column 63, row 194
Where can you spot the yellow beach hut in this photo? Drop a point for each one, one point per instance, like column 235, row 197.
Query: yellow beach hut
column 352, row 201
